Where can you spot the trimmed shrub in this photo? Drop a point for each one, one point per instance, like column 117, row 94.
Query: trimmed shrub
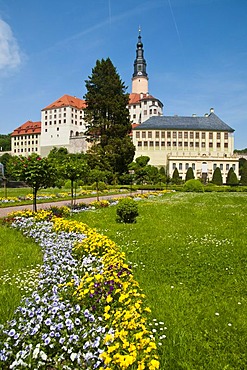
column 193, row 185
column 217, row 177
column 127, row 211
column 189, row 174
column 232, row 178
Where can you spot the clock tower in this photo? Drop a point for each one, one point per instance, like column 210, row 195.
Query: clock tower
column 140, row 77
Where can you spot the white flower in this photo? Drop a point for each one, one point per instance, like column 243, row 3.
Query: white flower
column 73, row 356
column 43, row 355
column 217, row 314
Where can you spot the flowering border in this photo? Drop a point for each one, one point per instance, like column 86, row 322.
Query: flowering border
column 87, row 311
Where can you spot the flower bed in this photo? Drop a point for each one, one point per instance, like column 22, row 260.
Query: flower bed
column 87, row 311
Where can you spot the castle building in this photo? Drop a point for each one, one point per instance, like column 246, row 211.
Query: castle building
column 202, row 143
column 63, row 125
column 25, row 139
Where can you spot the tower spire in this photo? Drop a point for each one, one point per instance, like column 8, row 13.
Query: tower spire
column 140, row 77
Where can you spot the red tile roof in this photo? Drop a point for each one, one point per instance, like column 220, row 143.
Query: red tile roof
column 67, row 101
column 136, row 98
column 28, row 127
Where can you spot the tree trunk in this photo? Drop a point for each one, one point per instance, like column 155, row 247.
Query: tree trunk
column 72, row 193
column 35, row 199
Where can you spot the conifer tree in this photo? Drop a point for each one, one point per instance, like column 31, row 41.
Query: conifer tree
column 231, row 178
column 175, row 176
column 106, row 113
column 107, row 117
column 189, row 174
column 217, row 177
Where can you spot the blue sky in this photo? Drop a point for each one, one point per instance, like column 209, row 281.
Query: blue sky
column 196, row 53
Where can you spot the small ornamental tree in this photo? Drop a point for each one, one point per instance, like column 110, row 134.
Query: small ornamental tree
column 35, row 171
column 96, row 175
column 189, row 174
column 243, row 179
column 217, row 177
column 232, row 179
column 73, row 169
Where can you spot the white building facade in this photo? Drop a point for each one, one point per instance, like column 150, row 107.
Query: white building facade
column 202, row 143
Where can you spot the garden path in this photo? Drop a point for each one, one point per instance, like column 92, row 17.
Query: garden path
column 6, row 210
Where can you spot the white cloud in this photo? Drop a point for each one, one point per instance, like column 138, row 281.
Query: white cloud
column 10, row 55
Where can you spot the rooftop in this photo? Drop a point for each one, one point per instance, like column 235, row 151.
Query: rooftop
column 209, row 122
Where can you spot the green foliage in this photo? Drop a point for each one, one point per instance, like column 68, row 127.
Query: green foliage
column 106, row 112
column 217, row 177
column 73, row 168
column 107, row 119
column 4, row 159
column 142, row 161
column 100, row 186
column 241, row 163
column 127, row 211
column 191, row 269
column 5, row 143
column 231, row 178
column 175, row 177
column 193, row 185
column 35, row 171
column 189, row 174
column 243, row 179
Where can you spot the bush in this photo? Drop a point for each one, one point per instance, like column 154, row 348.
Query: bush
column 101, row 186
column 127, row 211
column 193, row 186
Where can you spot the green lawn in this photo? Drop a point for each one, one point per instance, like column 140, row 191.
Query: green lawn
column 19, row 266
column 189, row 255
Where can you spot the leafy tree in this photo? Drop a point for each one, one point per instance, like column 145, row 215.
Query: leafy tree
column 175, row 176
column 143, row 160
column 241, row 163
column 96, row 175
column 5, row 143
column 217, row 177
column 152, row 174
column 189, row 174
column 243, row 179
column 35, row 171
column 231, row 178
column 73, row 169
column 107, row 119
column 4, row 159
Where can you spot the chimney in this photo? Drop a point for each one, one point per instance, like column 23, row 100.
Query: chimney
column 211, row 110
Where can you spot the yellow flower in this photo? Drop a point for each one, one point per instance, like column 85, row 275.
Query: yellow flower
column 109, row 299
column 154, row 364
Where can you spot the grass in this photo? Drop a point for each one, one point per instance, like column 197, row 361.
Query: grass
column 189, row 254
column 19, row 265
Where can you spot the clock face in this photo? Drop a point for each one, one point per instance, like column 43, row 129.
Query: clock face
column 139, row 73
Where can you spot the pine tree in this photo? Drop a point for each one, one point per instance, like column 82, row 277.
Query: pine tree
column 107, row 118
column 243, row 179
column 189, row 174
column 217, row 177
column 106, row 113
